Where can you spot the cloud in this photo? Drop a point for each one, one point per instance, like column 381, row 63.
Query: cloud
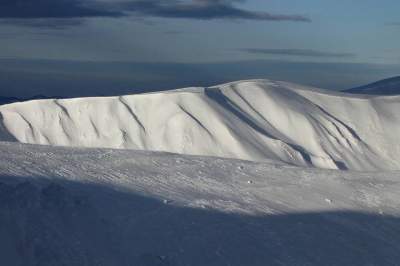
column 203, row 10
column 173, row 32
column 392, row 24
column 33, row 9
column 296, row 52
column 56, row 12
column 47, row 23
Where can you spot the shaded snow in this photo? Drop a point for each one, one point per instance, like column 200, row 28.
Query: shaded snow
column 253, row 120
column 390, row 86
column 74, row 206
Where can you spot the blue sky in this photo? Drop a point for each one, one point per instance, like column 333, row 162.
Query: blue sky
column 203, row 31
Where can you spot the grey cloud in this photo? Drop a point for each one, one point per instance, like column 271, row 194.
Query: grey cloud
column 392, row 24
column 203, row 9
column 34, row 9
column 55, row 13
column 297, row 52
column 47, row 23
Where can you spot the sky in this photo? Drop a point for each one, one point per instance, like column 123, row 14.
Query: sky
column 200, row 32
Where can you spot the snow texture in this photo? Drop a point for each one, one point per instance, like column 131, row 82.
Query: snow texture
column 75, row 206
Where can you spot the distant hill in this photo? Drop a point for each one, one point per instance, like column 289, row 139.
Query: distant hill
column 390, row 86
column 7, row 100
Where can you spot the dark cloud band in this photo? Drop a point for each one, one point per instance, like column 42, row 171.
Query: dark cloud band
column 296, row 52
column 46, row 23
column 393, row 24
column 61, row 10
column 203, row 9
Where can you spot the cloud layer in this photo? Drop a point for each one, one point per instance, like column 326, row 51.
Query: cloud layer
column 203, row 9
column 393, row 24
column 56, row 11
column 297, row 52
column 33, row 9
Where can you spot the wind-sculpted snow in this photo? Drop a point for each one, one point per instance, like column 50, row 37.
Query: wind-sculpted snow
column 75, row 206
column 254, row 120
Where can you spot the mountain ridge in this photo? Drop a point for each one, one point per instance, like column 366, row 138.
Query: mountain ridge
column 252, row 120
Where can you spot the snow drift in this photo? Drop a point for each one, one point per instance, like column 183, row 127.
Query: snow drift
column 75, row 206
column 253, row 120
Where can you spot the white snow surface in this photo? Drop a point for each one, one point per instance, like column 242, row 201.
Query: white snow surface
column 80, row 206
column 254, row 120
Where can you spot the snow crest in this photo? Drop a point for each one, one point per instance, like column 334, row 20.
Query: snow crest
column 254, row 120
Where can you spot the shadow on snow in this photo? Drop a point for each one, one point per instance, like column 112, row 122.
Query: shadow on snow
column 44, row 222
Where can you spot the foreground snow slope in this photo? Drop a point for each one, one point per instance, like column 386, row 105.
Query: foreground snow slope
column 73, row 206
column 254, row 120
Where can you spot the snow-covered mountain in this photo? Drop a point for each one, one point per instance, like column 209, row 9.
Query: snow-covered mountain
column 254, row 120
column 390, row 86
column 86, row 204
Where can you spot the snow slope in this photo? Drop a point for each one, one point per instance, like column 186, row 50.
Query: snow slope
column 254, row 120
column 390, row 86
column 75, row 206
